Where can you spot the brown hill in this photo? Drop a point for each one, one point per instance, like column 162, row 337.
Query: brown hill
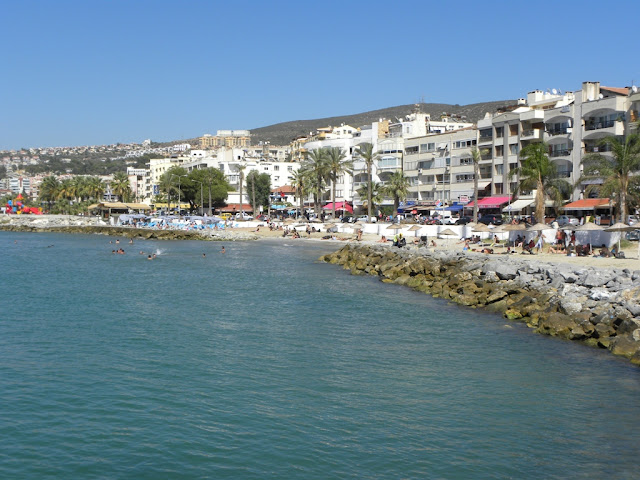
column 283, row 133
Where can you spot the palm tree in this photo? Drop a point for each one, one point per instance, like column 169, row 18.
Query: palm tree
column 95, row 188
column 241, row 169
column 618, row 170
column 299, row 180
column 367, row 154
column 316, row 165
column 49, row 189
column 120, row 186
column 337, row 165
column 476, row 156
column 373, row 189
column 397, row 187
column 67, row 190
column 539, row 173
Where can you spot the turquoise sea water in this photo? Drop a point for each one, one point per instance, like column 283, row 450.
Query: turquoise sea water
column 263, row 363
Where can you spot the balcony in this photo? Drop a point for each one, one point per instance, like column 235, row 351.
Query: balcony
column 485, row 139
column 560, row 153
column 532, row 133
column 597, row 148
column 599, row 125
column 564, row 173
column 558, row 131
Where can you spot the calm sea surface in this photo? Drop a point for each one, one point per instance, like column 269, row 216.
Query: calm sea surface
column 262, row 363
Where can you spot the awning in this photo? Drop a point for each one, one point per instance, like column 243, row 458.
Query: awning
column 587, row 204
column 518, row 205
column 490, row 202
column 454, row 208
column 339, row 206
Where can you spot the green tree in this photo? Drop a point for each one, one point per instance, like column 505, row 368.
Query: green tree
column 397, row 188
column 259, row 184
column 95, row 188
column 49, row 190
column 539, row 173
column 369, row 157
column 373, row 190
column 3, row 172
column 169, row 183
column 476, row 156
column 121, row 187
column 298, row 182
column 317, row 167
column 618, row 171
column 337, row 165
column 214, row 183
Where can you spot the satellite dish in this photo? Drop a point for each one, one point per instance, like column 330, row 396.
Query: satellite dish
column 634, row 89
column 601, row 96
column 590, row 98
column 554, row 91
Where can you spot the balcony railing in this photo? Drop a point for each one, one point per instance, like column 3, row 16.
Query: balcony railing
column 560, row 153
column 485, row 138
column 557, row 131
column 564, row 174
column 599, row 125
column 597, row 148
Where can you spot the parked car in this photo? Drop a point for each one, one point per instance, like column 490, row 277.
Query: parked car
column 493, row 219
column 365, row 219
column 463, row 220
column 567, row 220
column 243, row 216
column 633, row 235
column 225, row 216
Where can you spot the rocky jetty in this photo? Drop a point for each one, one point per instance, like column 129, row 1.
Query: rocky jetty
column 93, row 225
column 600, row 307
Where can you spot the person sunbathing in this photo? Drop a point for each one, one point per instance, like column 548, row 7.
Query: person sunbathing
column 556, row 249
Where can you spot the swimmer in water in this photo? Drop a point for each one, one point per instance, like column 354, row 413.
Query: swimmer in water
column 149, row 258
column 204, row 255
column 223, row 250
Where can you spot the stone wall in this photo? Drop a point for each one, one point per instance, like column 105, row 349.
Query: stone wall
column 596, row 306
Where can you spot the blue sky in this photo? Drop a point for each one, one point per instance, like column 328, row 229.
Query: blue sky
column 101, row 72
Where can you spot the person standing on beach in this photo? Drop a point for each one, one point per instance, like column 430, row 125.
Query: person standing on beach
column 539, row 242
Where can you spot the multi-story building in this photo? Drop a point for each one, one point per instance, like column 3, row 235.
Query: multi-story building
column 226, row 138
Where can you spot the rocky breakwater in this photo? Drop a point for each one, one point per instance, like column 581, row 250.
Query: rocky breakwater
column 597, row 306
column 94, row 225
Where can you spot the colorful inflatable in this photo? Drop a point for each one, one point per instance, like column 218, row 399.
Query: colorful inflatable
column 17, row 207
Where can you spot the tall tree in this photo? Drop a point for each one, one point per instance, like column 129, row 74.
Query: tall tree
column 316, row 164
column 299, row 180
column 170, row 183
column 539, row 173
column 618, row 170
column 373, row 190
column 241, row 169
column 120, row 186
column 260, row 186
column 397, row 188
column 337, row 165
column 215, row 184
column 49, row 189
column 369, row 157
column 476, row 156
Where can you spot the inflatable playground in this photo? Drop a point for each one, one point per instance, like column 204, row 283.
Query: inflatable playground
column 16, row 207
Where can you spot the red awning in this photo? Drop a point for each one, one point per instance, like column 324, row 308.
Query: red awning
column 490, row 202
column 588, row 204
column 339, row 206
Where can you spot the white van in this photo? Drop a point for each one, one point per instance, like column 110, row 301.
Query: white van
column 446, row 216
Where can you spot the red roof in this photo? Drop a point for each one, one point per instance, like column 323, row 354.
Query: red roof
column 619, row 91
column 490, row 202
column 587, row 204
column 285, row 188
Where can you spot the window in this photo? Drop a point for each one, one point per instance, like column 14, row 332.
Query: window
column 466, row 161
column 338, row 193
column 425, row 165
column 499, row 132
column 499, row 150
column 289, row 168
column 464, row 177
column 513, row 130
column 276, row 168
column 427, row 147
column 499, row 169
column 514, row 149
column 485, row 135
column 411, row 150
column 464, row 143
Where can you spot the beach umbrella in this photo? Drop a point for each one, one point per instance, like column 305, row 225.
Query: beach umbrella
column 289, row 221
column 415, row 228
column 513, row 227
column 589, row 227
column 538, row 227
column 481, row 227
column 447, row 232
column 394, row 226
column 619, row 227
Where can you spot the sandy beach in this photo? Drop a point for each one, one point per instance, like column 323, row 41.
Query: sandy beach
column 631, row 260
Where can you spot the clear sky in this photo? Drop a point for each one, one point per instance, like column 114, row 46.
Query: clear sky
column 90, row 72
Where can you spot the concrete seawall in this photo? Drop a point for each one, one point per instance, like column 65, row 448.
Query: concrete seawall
column 600, row 307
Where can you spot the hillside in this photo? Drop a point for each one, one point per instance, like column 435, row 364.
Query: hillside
column 283, row 133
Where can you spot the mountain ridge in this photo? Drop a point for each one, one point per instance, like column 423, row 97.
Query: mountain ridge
column 284, row 132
